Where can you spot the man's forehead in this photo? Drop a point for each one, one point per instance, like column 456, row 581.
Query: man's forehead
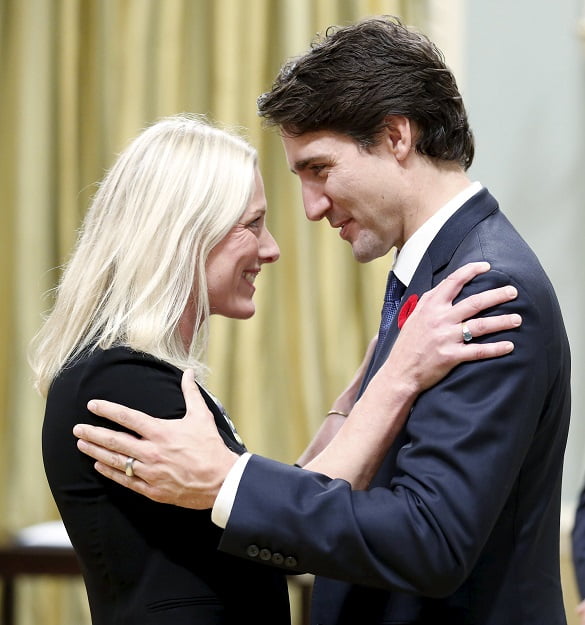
column 302, row 149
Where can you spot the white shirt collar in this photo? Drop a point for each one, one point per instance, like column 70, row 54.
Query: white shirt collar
column 412, row 251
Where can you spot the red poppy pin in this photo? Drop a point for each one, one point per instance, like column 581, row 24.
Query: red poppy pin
column 407, row 308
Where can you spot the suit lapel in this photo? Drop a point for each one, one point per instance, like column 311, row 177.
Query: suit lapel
column 450, row 236
column 435, row 260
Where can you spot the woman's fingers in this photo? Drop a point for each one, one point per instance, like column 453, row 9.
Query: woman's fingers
column 481, row 351
column 448, row 289
column 489, row 325
column 478, row 302
column 451, row 286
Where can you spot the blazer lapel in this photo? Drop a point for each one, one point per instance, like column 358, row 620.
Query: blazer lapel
column 224, row 424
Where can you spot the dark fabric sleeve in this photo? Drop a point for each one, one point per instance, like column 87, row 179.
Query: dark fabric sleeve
column 468, row 441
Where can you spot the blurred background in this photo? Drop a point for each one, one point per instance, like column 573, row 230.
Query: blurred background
column 80, row 78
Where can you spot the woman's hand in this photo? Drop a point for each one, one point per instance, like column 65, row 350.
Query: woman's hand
column 431, row 341
column 429, row 345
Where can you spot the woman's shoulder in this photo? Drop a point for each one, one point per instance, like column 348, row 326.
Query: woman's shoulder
column 123, row 375
column 119, row 360
column 118, row 355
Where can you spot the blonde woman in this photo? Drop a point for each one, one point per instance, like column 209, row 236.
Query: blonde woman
column 176, row 232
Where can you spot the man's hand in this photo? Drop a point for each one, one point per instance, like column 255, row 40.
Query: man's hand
column 179, row 461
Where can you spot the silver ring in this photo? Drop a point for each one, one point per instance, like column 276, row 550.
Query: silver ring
column 130, row 466
column 467, row 336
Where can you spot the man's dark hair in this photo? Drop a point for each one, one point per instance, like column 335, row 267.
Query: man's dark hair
column 355, row 76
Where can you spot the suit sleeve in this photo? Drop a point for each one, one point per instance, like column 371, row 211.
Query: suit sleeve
column 466, row 443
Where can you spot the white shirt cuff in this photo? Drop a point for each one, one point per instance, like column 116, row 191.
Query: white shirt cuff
column 222, row 508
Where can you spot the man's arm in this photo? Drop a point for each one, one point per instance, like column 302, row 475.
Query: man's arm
column 422, row 532
column 185, row 462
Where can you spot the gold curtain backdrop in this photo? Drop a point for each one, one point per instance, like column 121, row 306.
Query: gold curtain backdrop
column 80, row 78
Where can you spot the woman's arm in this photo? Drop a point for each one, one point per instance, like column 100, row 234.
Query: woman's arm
column 185, row 462
column 429, row 345
column 339, row 410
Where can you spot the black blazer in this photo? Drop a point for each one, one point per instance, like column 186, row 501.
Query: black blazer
column 461, row 523
column 145, row 563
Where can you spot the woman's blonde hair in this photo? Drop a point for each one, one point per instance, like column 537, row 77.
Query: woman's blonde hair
column 171, row 196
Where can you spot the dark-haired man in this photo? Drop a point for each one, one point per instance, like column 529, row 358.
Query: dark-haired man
column 461, row 523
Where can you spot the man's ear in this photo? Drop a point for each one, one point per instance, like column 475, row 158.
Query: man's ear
column 399, row 135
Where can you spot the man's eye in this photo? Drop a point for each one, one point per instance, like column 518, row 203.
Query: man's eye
column 317, row 169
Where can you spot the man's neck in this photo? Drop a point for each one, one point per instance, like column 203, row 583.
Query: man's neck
column 434, row 187
column 416, row 245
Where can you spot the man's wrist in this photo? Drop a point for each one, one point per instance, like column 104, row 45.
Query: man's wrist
column 220, row 513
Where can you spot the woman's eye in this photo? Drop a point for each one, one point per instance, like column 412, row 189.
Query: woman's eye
column 256, row 223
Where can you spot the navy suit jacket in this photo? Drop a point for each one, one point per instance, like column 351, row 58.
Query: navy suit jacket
column 461, row 523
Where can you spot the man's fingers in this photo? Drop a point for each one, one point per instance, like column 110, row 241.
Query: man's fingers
column 194, row 402
column 108, row 446
column 133, row 483
column 127, row 417
column 115, row 441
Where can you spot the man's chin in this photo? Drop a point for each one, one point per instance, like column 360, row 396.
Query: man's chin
column 366, row 255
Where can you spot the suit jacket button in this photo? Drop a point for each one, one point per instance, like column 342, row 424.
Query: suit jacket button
column 290, row 562
column 253, row 551
column 277, row 558
column 265, row 554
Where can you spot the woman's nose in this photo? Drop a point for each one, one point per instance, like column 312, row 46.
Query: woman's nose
column 269, row 250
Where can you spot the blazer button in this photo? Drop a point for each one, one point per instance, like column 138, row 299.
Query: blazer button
column 265, row 554
column 277, row 558
column 253, row 551
column 290, row 562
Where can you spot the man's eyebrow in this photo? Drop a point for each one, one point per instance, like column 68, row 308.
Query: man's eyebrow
column 304, row 163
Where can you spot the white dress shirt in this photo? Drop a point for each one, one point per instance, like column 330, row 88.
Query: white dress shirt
column 405, row 265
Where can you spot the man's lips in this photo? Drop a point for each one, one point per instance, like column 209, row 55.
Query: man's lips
column 343, row 228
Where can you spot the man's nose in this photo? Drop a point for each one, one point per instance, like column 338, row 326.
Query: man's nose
column 316, row 204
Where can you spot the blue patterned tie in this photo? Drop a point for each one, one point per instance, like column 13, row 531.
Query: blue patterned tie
column 394, row 292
